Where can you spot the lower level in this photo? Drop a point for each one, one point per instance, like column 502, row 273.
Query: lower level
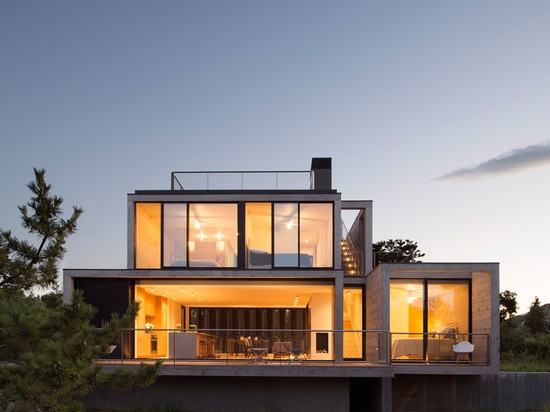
column 426, row 393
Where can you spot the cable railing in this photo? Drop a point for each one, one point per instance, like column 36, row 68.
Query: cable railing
column 251, row 346
column 284, row 346
column 440, row 348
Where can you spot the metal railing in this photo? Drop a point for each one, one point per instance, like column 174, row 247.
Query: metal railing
column 251, row 346
column 438, row 348
column 240, row 180
column 281, row 346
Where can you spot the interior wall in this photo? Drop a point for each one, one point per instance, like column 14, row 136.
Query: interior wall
column 322, row 318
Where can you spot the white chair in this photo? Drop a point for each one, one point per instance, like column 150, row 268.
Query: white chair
column 463, row 349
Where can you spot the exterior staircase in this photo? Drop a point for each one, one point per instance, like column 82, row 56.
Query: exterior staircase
column 349, row 259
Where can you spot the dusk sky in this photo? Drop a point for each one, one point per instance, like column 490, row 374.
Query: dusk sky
column 437, row 111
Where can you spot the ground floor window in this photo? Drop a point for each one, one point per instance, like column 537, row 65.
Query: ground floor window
column 353, row 323
column 427, row 317
column 265, row 311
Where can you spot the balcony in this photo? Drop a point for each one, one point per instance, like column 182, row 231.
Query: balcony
column 250, row 346
column 437, row 348
column 285, row 347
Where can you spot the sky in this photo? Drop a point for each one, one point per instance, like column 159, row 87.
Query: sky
column 438, row 112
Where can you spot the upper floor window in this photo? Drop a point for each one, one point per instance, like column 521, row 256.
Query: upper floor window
column 147, row 235
column 175, row 234
column 276, row 235
column 213, row 235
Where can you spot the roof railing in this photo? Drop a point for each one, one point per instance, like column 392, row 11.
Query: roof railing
column 241, row 180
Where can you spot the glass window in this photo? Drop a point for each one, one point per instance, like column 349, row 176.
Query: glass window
column 147, row 235
column 406, row 305
column 316, row 235
column 353, row 322
column 175, row 234
column 213, row 235
column 448, row 303
column 285, row 233
column 258, row 235
column 427, row 316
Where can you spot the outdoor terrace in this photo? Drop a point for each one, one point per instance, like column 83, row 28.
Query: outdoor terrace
column 309, row 352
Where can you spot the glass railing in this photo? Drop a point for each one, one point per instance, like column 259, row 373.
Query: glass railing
column 251, row 346
column 440, row 348
column 239, row 180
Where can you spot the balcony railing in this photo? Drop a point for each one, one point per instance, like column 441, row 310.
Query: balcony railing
column 281, row 346
column 240, row 180
column 251, row 346
column 438, row 348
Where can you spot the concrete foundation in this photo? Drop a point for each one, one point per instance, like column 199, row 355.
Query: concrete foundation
column 236, row 394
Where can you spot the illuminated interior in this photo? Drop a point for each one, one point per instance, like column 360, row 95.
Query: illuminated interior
column 206, row 235
column 429, row 309
column 353, row 321
column 167, row 304
column 147, row 234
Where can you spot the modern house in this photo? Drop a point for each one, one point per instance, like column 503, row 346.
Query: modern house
column 258, row 292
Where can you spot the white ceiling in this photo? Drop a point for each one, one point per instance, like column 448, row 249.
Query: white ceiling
column 244, row 294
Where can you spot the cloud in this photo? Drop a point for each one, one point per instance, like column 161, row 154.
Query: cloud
column 509, row 162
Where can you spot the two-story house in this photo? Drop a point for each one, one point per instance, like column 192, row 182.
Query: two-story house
column 258, row 296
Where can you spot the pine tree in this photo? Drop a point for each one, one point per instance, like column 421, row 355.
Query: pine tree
column 24, row 266
column 49, row 349
column 535, row 320
column 396, row 251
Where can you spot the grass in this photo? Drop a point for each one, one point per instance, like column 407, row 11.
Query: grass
column 524, row 364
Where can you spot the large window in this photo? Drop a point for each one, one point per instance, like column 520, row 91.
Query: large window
column 281, row 235
column 353, row 323
column 316, row 234
column 213, row 235
column 428, row 316
column 258, row 235
column 303, row 234
column 147, row 234
column 175, row 234
column 285, row 221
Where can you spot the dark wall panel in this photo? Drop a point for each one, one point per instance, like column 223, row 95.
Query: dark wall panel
column 108, row 296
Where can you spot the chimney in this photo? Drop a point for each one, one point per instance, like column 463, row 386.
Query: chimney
column 322, row 173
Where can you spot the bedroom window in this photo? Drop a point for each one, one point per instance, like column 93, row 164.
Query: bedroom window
column 258, row 235
column 147, row 236
column 302, row 235
column 285, row 233
column 316, row 234
column 428, row 316
column 213, row 235
column 448, row 307
column 175, row 234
